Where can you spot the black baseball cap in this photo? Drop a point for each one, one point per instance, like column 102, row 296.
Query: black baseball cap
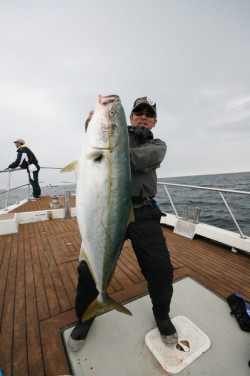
column 141, row 102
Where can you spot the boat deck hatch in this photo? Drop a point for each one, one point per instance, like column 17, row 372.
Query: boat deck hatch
column 192, row 343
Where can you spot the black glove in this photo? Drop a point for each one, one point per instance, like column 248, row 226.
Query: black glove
column 142, row 134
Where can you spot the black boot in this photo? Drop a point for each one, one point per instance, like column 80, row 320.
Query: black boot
column 78, row 335
column 167, row 330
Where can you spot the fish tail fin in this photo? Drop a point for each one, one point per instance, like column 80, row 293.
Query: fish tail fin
column 103, row 303
column 118, row 307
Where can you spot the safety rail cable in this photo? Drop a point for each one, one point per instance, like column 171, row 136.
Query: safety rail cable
column 220, row 191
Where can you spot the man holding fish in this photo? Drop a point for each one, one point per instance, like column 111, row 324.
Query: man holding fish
column 119, row 163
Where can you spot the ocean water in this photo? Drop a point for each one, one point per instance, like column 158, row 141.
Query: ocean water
column 213, row 210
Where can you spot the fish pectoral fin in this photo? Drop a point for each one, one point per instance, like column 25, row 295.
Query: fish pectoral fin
column 70, row 167
column 101, row 304
column 95, row 155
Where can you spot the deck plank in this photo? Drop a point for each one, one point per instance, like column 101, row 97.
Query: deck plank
column 38, row 277
column 34, row 349
column 53, row 304
column 227, row 269
column 8, row 312
column 19, row 341
column 41, row 291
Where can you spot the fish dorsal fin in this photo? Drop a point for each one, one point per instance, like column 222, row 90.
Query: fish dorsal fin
column 70, row 167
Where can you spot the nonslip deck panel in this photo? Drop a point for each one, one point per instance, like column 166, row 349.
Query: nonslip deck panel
column 199, row 316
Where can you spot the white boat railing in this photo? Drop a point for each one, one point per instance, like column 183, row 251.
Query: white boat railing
column 220, row 191
column 9, row 189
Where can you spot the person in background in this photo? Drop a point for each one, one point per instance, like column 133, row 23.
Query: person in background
column 26, row 159
column 145, row 233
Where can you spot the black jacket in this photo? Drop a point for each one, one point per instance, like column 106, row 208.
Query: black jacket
column 145, row 157
column 25, row 157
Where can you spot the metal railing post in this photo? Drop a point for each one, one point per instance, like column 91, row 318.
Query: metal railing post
column 185, row 212
column 171, row 202
column 197, row 216
column 232, row 216
column 67, row 205
column 8, row 191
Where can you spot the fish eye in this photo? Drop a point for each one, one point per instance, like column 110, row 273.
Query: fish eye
column 112, row 112
column 99, row 158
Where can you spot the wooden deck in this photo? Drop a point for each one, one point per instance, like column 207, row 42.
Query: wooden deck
column 38, row 279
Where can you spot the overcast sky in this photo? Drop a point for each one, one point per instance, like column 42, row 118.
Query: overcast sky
column 191, row 56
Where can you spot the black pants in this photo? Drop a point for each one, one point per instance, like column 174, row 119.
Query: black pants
column 33, row 178
column 153, row 257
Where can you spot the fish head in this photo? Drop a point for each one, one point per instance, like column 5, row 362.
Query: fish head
column 107, row 124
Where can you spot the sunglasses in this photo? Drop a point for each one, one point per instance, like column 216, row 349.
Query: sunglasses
column 149, row 114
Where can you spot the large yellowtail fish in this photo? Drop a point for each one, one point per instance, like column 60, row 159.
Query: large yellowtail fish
column 103, row 197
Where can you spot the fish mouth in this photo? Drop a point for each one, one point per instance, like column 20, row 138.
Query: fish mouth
column 108, row 99
column 102, row 128
column 96, row 148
